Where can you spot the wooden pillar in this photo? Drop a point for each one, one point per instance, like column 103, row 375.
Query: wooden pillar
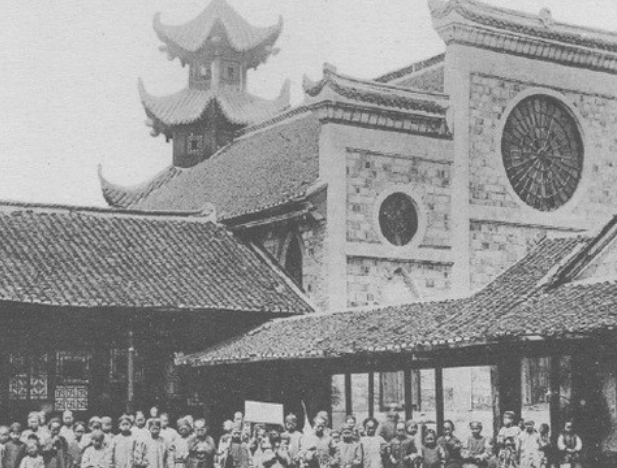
column 130, row 388
column 509, row 384
column 371, row 394
column 439, row 398
column 496, row 398
column 348, row 395
column 555, row 397
column 408, row 396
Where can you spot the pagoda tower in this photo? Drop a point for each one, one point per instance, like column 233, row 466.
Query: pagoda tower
column 219, row 47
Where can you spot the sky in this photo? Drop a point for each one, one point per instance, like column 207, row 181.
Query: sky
column 69, row 70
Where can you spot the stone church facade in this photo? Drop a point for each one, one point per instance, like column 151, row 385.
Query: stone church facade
column 425, row 182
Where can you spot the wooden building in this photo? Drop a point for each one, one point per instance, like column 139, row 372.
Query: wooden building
column 94, row 304
column 545, row 329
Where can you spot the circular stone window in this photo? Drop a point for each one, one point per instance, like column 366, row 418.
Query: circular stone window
column 398, row 218
column 542, row 152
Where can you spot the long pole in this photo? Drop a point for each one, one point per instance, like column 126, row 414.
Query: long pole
column 130, row 390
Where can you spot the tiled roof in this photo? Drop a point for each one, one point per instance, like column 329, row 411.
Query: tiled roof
column 431, row 80
column 188, row 105
column 218, row 17
column 339, row 87
column 541, row 26
column 119, row 197
column 411, row 69
column 411, row 327
column 63, row 256
column 268, row 168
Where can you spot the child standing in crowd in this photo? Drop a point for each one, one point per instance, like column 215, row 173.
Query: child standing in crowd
column 139, row 430
column 280, row 451
column 169, row 434
column 387, row 429
column 352, row 423
column 4, row 438
column 570, row 446
column 15, row 449
column 107, row 426
column 508, row 429
column 126, row 451
column 158, row 453
column 432, row 455
column 373, row 445
column 67, row 429
column 35, row 428
column 202, row 448
column 317, row 445
column 75, row 448
column 411, row 427
column 530, row 453
column 181, row 449
column 507, row 458
column 451, row 444
column 237, row 455
column 95, row 456
column 545, row 445
column 477, row 451
column 348, row 452
column 33, row 458
column 295, row 436
column 402, row 450
column 54, row 450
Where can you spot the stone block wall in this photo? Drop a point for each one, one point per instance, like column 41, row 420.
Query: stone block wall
column 368, row 278
column 369, row 174
column 489, row 97
column 495, row 247
column 313, row 265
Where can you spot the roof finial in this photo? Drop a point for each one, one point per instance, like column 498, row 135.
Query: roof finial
column 546, row 17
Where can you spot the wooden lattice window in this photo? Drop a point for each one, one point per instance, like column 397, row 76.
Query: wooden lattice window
column 195, row 143
column 398, row 218
column 542, row 152
column 28, row 380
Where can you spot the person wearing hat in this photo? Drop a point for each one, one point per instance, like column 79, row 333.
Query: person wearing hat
column 402, row 451
column 294, row 435
column 181, row 447
column 530, row 453
column 348, row 452
column 202, row 449
column 477, row 451
column 237, row 454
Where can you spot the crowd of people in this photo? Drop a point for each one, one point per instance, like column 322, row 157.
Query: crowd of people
column 139, row 442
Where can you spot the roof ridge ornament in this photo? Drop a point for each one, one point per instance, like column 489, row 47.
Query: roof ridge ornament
column 546, row 17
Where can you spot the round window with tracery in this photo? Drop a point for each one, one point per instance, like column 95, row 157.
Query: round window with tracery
column 398, row 218
column 542, row 152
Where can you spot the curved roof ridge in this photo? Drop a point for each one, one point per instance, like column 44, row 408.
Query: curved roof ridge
column 412, row 68
column 120, row 196
column 188, row 105
column 373, row 92
column 541, row 25
column 192, row 35
column 330, row 71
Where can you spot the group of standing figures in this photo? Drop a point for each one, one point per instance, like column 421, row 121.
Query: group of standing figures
column 137, row 442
